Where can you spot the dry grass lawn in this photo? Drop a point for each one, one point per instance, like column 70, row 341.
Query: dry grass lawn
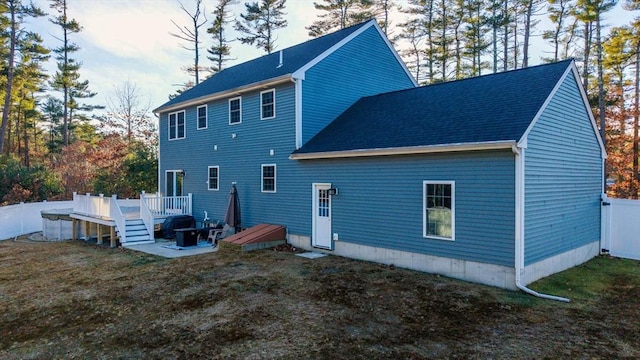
column 72, row 300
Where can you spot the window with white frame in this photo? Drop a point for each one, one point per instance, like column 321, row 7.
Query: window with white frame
column 269, row 178
column 268, row 104
column 176, row 125
column 235, row 110
column 214, row 177
column 202, row 117
column 439, row 209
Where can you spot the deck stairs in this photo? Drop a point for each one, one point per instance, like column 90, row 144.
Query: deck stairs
column 136, row 233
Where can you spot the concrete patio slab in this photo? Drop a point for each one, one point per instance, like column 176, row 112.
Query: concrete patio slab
column 158, row 248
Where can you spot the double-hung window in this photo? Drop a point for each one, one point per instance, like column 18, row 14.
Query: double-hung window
column 202, row 117
column 176, row 125
column 235, row 111
column 214, row 177
column 439, row 209
column 268, row 104
column 269, row 178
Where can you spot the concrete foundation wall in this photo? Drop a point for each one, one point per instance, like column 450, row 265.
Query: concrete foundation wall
column 560, row 262
column 482, row 273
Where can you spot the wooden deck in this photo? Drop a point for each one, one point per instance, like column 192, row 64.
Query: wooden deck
column 261, row 236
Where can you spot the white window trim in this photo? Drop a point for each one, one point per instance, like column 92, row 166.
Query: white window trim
column 275, row 178
column 274, row 104
column 169, row 125
column 453, row 210
column 206, row 117
column 208, row 177
column 239, row 98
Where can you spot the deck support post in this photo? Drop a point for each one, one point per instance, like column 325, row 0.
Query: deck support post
column 99, row 233
column 74, row 229
column 87, row 229
column 112, row 236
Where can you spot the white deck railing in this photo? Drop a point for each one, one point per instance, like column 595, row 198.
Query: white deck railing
column 162, row 206
column 96, row 206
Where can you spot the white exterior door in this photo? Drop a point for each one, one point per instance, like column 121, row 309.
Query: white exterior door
column 321, row 236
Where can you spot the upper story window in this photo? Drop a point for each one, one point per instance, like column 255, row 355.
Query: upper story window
column 214, row 177
column 202, row 117
column 176, row 125
column 268, row 104
column 439, row 209
column 235, row 110
column 269, row 178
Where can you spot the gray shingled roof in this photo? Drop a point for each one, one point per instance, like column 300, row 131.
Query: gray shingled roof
column 265, row 67
column 497, row 107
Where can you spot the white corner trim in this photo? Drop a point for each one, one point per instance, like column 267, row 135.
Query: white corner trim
column 408, row 150
column 298, row 111
column 299, row 74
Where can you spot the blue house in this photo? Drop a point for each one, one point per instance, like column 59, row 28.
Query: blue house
column 495, row 179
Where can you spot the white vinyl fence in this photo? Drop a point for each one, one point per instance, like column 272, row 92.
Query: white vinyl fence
column 621, row 228
column 24, row 218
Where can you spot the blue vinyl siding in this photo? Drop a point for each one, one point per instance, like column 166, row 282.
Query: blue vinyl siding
column 563, row 174
column 380, row 202
column 364, row 66
column 239, row 159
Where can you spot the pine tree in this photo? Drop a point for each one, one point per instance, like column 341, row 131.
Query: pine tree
column 339, row 14
column 220, row 50
column 260, row 22
column 17, row 14
column 67, row 77
column 562, row 34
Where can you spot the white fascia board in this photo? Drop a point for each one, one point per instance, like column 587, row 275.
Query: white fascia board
column 299, row 74
column 523, row 139
column 585, row 100
column 409, row 150
column 395, row 53
column 522, row 143
column 223, row 94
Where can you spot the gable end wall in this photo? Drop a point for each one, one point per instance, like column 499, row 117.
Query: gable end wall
column 362, row 67
column 563, row 178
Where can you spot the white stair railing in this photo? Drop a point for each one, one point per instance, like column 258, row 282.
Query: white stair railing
column 117, row 216
column 147, row 216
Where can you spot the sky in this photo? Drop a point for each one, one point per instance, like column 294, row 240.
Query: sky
column 130, row 40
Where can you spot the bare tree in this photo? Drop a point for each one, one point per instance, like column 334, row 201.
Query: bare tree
column 191, row 35
column 128, row 113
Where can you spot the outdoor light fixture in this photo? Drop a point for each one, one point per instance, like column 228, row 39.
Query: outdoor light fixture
column 333, row 191
column 182, row 173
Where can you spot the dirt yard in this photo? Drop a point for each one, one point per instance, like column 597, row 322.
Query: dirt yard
column 72, row 300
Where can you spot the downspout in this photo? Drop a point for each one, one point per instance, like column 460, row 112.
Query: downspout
column 519, row 233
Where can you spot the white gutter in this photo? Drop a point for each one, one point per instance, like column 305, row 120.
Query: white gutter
column 494, row 145
column 223, row 94
column 519, row 238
